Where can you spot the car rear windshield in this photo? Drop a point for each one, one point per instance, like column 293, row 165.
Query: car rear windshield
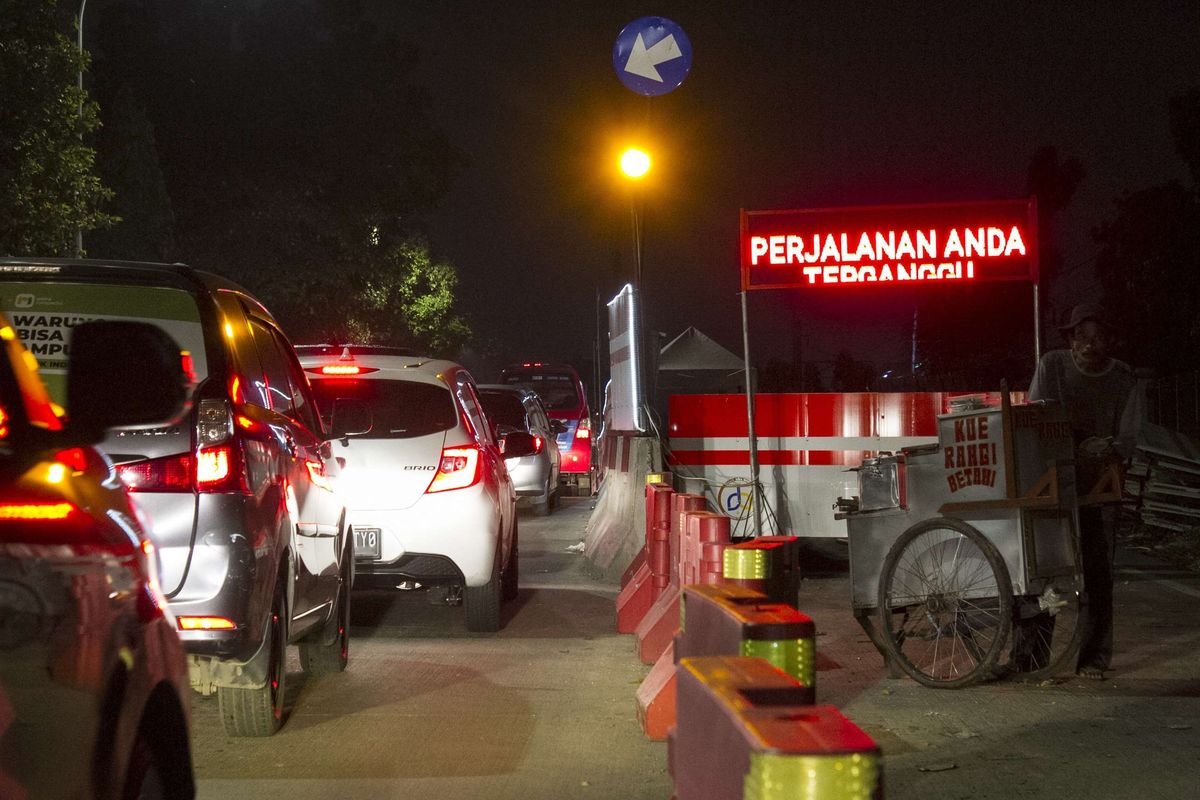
column 45, row 312
column 399, row 409
column 504, row 408
column 559, row 391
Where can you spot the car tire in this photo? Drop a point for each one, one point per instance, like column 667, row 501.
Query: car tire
column 258, row 711
column 328, row 650
column 510, row 580
column 541, row 507
column 483, row 602
column 143, row 778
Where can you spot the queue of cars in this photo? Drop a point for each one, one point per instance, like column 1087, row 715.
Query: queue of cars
column 212, row 498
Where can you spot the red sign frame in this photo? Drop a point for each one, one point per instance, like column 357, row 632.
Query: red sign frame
column 890, row 245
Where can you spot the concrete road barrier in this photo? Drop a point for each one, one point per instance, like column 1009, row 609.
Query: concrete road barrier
column 616, row 530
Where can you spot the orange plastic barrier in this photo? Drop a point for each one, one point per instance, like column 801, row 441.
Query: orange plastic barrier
column 651, row 577
column 744, row 731
column 658, row 626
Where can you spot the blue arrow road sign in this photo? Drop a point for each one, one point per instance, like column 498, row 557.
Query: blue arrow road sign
column 652, row 56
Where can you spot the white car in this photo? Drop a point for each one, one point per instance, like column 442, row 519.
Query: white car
column 428, row 497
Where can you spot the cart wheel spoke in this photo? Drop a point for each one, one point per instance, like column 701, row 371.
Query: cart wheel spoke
column 945, row 603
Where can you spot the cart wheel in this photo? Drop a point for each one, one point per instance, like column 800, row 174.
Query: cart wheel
column 945, row 603
column 1047, row 632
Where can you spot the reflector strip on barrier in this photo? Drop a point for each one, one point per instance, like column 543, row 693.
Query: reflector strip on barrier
column 787, row 777
column 796, row 657
column 745, row 564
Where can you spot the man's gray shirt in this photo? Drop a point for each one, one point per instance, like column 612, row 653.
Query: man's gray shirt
column 1098, row 404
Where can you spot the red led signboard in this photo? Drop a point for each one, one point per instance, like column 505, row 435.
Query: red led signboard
column 890, row 245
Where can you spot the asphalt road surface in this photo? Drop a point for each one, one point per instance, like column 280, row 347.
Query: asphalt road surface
column 545, row 708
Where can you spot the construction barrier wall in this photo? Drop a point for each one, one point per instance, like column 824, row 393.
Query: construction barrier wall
column 806, row 443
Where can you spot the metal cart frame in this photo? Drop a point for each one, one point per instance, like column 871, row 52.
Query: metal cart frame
column 996, row 496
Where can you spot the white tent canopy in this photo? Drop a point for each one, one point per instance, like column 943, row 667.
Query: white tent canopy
column 693, row 351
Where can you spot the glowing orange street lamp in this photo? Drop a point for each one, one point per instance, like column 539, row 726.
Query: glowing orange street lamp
column 635, row 163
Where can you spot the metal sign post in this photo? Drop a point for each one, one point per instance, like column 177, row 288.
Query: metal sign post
column 755, row 490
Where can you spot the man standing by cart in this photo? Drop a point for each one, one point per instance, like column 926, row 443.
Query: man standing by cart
column 1097, row 392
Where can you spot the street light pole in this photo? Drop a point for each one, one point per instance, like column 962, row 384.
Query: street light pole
column 79, row 40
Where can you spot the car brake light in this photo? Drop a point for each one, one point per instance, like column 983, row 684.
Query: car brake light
column 218, row 461
column 169, row 474
column 537, row 444
column 36, row 512
column 206, row 624
column 53, row 521
column 212, row 465
column 342, row 369
column 458, row 469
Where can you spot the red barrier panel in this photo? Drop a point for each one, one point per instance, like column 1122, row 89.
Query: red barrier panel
column 635, row 600
column 650, row 577
column 659, row 501
column 634, row 566
column 658, row 626
column 656, row 697
column 681, row 504
column 705, row 536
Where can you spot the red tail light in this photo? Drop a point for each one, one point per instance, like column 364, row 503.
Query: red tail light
column 537, row 444
column 36, row 512
column 342, row 370
column 169, row 474
column 212, row 470
column 212, row 465
column 459, row 468
column 205, row 624
column 54, row 521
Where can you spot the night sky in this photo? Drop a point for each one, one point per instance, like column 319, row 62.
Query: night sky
column 787, row 105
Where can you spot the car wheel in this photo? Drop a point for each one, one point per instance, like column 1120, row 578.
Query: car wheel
column 328, row 649
column 258, row 711
column 541, row 508
column 143, row 778
column 483, row 602
column 510, row 580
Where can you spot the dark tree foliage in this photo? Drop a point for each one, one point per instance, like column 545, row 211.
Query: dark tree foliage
column 1184, row 112
column 784, row 376
column 1149, row 267
column 48, row 185
column 298, row 153
column 128, row 163
column 852, row 375
column 1149, row 260
column 1053, row 181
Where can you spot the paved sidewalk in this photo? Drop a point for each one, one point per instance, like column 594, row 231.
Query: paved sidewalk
column 1136, row 735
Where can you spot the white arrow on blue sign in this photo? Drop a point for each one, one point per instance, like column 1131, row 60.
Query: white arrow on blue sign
column 652, row 56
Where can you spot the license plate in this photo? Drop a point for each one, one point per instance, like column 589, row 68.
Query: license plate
column 366, row 543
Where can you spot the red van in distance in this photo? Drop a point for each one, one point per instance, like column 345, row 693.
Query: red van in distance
column 562, row 394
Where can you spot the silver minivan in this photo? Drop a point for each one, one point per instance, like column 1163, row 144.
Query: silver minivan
column 238, row 496
column 534, row 476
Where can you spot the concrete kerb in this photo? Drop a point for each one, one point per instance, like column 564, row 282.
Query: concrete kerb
column 617, row 528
